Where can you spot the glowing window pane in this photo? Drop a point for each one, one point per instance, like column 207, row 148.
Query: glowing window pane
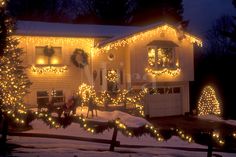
column 151, row 56
column 42, row 59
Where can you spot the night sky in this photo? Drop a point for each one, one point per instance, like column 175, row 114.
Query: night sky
column 202, row 13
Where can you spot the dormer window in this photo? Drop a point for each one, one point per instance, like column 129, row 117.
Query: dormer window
column 162, row 57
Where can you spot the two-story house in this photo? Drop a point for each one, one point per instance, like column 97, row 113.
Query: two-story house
column 60, row 57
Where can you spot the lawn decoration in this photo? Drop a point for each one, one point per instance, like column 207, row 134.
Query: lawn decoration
column 208, row 103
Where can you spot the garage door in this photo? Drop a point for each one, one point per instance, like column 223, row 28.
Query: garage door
column 167, row 102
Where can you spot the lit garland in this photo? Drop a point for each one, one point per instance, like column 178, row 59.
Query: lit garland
column 170, row 72
column 208, row 103
column 47, row 119
column 147, row 34
column 112, row 76
column 122, row 97
column 216, row 136
column 184, row 136
column 48, row 69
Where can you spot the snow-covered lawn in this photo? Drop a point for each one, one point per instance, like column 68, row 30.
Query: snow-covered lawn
column 40, row 147
column 214, row 118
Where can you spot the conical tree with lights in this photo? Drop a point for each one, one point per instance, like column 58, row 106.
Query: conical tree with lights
column 208, row 103
column 14, row 82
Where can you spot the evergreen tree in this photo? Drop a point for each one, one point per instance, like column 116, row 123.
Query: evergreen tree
column 157, row 10
column 14, row 82
column 114, row 12
column 3, row 27
column 36, row 10
column 208, row 103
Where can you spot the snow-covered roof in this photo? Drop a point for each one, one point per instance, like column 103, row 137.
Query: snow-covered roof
column 113, row 33
column 128, row 34
column 33, row 28
column 142, row 30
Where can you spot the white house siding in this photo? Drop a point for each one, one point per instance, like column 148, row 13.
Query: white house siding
column 68, row 81
column 101, row 62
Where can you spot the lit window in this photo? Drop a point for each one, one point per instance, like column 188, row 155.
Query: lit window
column 45, row 55
column 161, row 55
column 151, row 56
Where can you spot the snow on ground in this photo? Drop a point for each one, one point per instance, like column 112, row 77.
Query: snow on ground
column 211, row 118
column 43, row 147
column 126, row 118
column 215, row 118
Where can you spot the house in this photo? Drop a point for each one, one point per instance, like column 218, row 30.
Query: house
column 60, row 57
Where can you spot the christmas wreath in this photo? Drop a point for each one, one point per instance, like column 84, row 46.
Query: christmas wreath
column 84, row 58
column 48, row 51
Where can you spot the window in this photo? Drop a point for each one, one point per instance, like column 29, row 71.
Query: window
column 57, row 96
column 162, row 58
column 42, row 58
column 176, row 90
column 161, row 54
column 42, row 98
column 168, row 90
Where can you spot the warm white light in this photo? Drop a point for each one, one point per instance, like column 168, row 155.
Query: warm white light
column 54, row 61
column 40, row 61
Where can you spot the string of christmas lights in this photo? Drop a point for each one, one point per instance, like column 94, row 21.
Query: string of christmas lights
column 14, row 82
column 49, row 69
column 112, row 76
column 170, row 72
column 148, row 34
column 208, row 103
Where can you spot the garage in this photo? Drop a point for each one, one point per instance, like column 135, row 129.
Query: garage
column 165, row 101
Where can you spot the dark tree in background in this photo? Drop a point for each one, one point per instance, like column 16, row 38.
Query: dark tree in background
column 218, row 37
column 215, row 64
column 116, row 12
column 149, row 11
column 43, row 10
column 231, row 33
column 3, row 29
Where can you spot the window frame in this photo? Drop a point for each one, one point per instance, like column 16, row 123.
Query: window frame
column 38, row 97
column 155, row 65
column 47, row 62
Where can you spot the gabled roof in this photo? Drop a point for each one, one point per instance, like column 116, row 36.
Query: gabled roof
column 162, row 43
column 117, row 35
column 138, row 33
column 32, row 28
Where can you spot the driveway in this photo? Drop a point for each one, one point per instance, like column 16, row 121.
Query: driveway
column 192, row 124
